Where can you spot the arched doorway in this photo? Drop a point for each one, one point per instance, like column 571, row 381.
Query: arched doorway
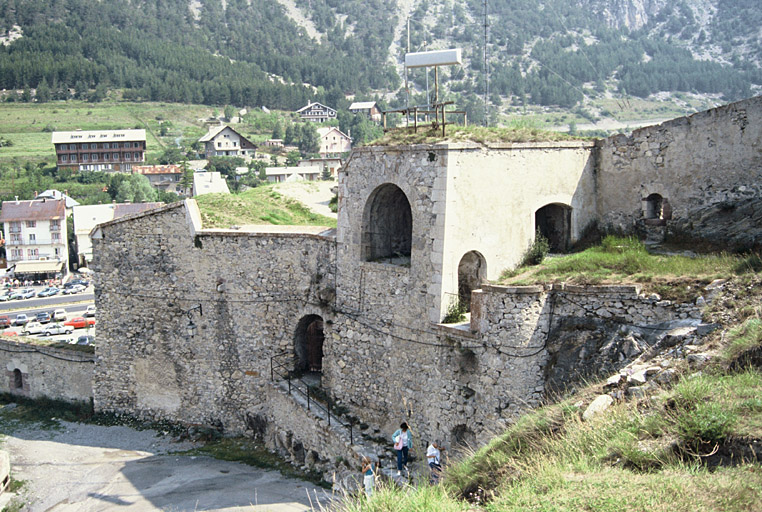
column 472, row 271
column 554, row 223
column 656, row 210
column 387, row 230
column 18, row 379
column 308, row 344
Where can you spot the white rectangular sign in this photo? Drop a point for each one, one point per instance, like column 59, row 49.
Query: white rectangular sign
column 433, row 58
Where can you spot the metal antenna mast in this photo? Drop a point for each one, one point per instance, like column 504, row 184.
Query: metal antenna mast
column 486, row 67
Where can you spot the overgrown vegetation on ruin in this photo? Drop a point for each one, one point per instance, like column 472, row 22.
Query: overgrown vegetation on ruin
column 517, row 131
column 688, row 446
column 620, row 260
column 261, row 205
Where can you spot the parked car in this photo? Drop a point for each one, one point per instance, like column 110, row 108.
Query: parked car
column 32, row 328
column 55, row 329
column 5, row 321
column 26, row 293
column 6, row 296
column 83, row 282
column 80, row 322
column 14, row 295
column 43, row 317
column 21, row 319
column 70, row 290
column 48, row 292
column 86, row 340
column 59, row 315
column 90, row 310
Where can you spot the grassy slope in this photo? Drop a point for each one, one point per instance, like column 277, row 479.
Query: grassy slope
column 23, row 124
column 261, row 205
column 641, row 455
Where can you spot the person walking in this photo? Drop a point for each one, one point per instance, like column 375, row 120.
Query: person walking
column 403, row 442
column 369, row 477
column 433, row 457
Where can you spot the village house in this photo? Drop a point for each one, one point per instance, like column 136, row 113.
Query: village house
column 36, row 236
column 368, row 108
column 316, row 112
column 206, row 182
column 331, row 164
column 103, row 150
column 333, row 142
column 162, row 177
column 225, row 141
column 282, row 174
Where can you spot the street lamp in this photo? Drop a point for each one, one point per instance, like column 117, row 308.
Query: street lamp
column 192, row 328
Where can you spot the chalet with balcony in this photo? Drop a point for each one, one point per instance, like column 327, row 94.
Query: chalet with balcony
column 368, row 108
column 36, row 231
column 316, row 112
column 103, row 150
column 225, row 141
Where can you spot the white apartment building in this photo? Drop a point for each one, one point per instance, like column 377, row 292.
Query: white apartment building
column 36, row 231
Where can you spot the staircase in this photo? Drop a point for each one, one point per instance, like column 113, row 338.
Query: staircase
column 371, row 442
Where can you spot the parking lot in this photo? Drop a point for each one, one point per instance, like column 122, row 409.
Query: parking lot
column 62, row 317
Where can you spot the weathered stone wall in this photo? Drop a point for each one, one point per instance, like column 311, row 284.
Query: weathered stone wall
column 707, row 160
column 34, row 371
column 253, row 288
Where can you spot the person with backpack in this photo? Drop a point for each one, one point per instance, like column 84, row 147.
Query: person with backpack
column 403, row 442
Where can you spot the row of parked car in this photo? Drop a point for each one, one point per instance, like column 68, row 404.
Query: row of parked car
column 37, row 322
column 70, row 288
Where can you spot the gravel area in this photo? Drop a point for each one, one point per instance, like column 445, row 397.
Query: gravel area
column 314, row 194
column 92, row 468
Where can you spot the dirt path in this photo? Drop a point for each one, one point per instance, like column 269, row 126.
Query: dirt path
column 93, row 468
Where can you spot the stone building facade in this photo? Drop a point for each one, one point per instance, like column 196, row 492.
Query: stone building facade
column 420, row 228
column 34, row 371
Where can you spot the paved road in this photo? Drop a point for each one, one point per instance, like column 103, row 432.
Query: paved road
column 87, row 468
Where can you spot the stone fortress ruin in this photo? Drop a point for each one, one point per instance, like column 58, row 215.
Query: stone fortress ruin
column 360, row 307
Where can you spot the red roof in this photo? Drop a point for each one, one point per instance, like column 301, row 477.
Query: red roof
column 157, row 169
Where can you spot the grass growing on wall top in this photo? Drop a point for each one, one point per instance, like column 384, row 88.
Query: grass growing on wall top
column 517, row 131
column 620, row 260
column 260, row 205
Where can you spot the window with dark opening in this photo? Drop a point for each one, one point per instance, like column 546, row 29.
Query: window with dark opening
column 387, row 226
column 18, row 379
column 554, row 223
column 472, row 270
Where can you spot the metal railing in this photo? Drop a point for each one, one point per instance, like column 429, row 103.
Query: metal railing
column 280, row 369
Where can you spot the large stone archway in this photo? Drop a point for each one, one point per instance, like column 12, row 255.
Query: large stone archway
column 554, row 223
column 387, row 230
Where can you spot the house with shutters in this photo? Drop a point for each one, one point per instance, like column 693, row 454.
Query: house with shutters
column 333, row 142
column 36, row 232
column 225, row 141
column 316, row 112
column 102, row 150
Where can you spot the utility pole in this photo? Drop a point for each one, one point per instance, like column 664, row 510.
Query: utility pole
column 407, row 87
column 486, row 67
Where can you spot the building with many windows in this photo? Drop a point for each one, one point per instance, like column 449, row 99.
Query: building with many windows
column 36, row 231
column 103, row 150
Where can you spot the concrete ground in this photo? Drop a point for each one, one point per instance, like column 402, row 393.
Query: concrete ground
column 93, row 468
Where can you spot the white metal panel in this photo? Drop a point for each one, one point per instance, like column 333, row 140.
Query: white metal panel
column 433, row 58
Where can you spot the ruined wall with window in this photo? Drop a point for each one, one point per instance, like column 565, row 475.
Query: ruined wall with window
column 34, row 371
column 695, row 178
column 246, row 292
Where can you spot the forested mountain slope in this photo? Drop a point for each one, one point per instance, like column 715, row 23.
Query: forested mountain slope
column 562, row 53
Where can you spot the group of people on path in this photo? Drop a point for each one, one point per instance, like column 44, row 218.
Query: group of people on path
column 403, row 443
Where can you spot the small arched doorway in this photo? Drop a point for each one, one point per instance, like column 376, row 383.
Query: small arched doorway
column 656, row 209
column 18, row 379
column 387, row 231
column 554, row 223
column 308, row 344
column 472, row 271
